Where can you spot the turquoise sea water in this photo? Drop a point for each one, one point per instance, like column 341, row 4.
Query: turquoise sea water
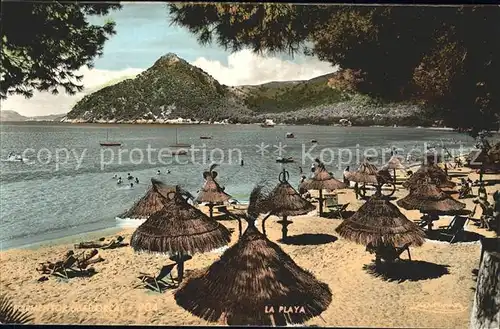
column 48, row 197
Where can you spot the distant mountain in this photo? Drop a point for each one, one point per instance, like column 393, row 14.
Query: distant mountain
column 173, row 88
column 13, row 116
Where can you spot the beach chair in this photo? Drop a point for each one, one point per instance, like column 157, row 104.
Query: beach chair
column 456, row 228
column 464, row 192
column 61, row 268
column 400, row 250
column 389, row 253
column 338, row 210
column 83, row 261
column 158, row 282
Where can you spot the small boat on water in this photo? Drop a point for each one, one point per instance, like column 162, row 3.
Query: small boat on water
column 180, row 152
column 285, row 160
column 108, row 142
column 205, row 137
column 290, row 135
column 268, row 123
column 14, row 158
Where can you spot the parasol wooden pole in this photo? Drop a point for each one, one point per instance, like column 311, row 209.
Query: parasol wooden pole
column 320, row 199
column 240, row 228
column 211, row 209
column 180, row 259
column 284, row 228
column 394, row 176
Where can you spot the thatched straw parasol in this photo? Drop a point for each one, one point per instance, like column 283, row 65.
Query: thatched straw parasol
column 369, row 174
column 394, row 164
column 153, row 201
column 426, row 172
column 366, row 174
column 378, row 221
column 322, row 180
column 211, row 192
column 285, row 201
column 251, row 284
column 380, row 224
column 179, row 229
column 428, row 198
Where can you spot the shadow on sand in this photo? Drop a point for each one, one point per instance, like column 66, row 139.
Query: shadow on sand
column 465, row 236
column 309, row 239
column 406, row 270
column 332, row 215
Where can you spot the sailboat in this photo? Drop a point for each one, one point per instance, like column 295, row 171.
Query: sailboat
column 108, row 143
column 178, row 145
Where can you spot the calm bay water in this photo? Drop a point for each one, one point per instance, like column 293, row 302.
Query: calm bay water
column 45, row 198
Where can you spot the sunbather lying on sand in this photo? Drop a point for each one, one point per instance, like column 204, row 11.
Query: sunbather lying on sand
column 102, row 245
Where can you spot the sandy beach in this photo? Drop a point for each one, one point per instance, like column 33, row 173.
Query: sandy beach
column 436, row 290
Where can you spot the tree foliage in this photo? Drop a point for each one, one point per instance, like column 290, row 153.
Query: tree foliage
column 10, row 314
column 44, row 43
column 443, row 56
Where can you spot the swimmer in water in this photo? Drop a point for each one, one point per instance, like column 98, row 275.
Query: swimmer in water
column 131, row 184
column 300, row 169
column 115, row 176
column 168, row 171
column 137, row 180
column 158, row 172
column 119, row 181
column 241, row 162
column 130, row 177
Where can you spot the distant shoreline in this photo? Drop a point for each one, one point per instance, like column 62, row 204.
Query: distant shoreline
column 220, row 124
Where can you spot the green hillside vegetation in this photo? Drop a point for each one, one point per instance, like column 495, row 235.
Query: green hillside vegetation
column 170, row 88
column 276, row 97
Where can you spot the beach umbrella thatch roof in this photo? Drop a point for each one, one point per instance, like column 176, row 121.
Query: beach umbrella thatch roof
column 211, row 191
column 322, row 180
column 428, row 172
column 284, row 200
column 369, row 174
column 153, row 201
column 368, row 167
column 394, row 163
column 379, row 222
column 427, row 197
column 250, row 276
column 179, row 228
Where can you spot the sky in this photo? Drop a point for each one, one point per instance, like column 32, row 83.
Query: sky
column 143, row 34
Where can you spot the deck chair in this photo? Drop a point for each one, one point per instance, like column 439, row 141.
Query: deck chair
column 338, row 210
column 61, row 268
column 83, row 260
column 331, row 201
column 389, row 253
column 464, row 192
column 455, row 229
column 400, row 250
column 158, row 282
column 222, row 209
